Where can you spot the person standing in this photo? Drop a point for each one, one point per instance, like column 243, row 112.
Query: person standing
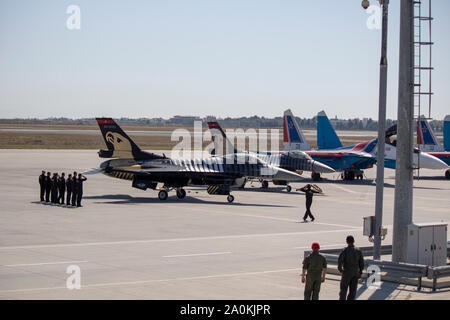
column 351, row 266
column 74, row 189
column 42, row 179
column 80, row 181
column 48, row 186
column 69, row 188
column 315, row 267
column 61, row 188
column 309, row 192
column 54, row 188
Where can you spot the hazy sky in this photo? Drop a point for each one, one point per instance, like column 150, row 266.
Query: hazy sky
column 203, row 57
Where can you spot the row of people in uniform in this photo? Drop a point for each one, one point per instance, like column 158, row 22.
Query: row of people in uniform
column 53, row 188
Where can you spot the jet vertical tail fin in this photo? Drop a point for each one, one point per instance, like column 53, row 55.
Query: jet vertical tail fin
column 447, row 133
column 222, row 145
column 326, row 135
column 426, row 139
column 293, row 137
column 119, row 144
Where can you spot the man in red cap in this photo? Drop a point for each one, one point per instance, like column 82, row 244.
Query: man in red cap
column 315, row 267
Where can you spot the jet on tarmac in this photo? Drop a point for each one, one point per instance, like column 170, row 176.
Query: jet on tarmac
column 327, row 138
column 146, row 170
column 351, row 160
column 295, row 160
column 429, row 143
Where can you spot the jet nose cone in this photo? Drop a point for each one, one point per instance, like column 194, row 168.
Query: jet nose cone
column 277, row 173
column 322, row 168
column 427, row 161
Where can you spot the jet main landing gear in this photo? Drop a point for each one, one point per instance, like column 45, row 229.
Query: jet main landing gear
column 181, row 193
column 163, row 194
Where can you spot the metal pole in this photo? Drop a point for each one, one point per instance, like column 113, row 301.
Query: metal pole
column 381, row 133
column 404, row 164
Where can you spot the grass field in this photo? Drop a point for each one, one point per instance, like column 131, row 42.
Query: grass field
column 58, row 140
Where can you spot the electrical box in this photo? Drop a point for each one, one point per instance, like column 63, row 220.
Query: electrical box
column 427, row 244
column 369, row 226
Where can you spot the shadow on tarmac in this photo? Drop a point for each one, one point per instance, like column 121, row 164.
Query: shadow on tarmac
column 64, row 206
column 127, row 199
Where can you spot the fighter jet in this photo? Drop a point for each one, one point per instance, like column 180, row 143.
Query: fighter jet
column 146, row 170
column 350, row 160
column 327, row 138
column 295, row 160
column 429, row 143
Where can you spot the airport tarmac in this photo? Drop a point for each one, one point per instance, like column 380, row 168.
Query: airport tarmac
column 130, row 245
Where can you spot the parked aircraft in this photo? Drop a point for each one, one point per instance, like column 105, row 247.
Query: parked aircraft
column 429, row 143
column 295, row 160
column 325, row 129
column 146, row 170
column 350, row 160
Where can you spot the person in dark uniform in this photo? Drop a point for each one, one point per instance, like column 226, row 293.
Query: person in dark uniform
column 54, row 188
column 74, row 189
column 61, row 188
column 309, row 192
column 351, row 266
column 42, row 179
column 48, row 186
column 80, row 181
column 69, row 188
column 315, row 267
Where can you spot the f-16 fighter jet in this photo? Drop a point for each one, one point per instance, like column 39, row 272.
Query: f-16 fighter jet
column 295, row 160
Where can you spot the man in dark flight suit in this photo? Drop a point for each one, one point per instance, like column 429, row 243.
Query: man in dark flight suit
column 351, row 266
column 80, row 181
column 42, row 179
column 48, row 186
column 309, row 192
column 74, row 189
column 61, row 188
column 69, row 188
column 54, row 188
column 315, row 267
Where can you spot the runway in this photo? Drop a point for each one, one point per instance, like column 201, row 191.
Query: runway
column 130, row 245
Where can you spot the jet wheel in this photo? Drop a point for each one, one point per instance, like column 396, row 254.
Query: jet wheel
column 230, row 198
column 264, row 184
column 447, row 174
column 181, row 193
column 288, row 188
column 163, row 195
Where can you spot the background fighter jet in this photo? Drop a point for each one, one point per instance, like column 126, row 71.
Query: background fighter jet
column 295, row 160
column 327, row 138
column 351, row 160
column 428, row 142
column 146, row 170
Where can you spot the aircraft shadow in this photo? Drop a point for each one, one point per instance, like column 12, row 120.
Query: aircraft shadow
column 127, row 199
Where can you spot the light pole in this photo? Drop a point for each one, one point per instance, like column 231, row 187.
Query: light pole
column 381, row 127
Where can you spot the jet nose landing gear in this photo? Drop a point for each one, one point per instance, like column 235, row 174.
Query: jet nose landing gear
column 230, row 198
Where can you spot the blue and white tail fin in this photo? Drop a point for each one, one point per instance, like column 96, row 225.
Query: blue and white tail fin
column 426, row 139
column 293, row 138
column 326, row 136
column 447, row 133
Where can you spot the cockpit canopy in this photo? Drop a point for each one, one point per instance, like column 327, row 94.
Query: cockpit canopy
column 299, row 155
